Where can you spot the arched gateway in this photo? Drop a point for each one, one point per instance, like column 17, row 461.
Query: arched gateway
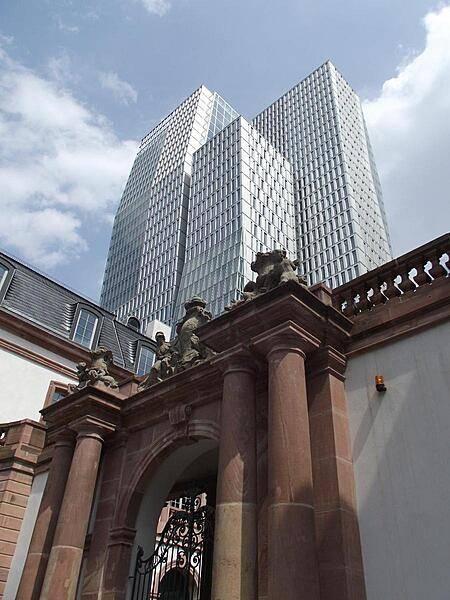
column 249, row 410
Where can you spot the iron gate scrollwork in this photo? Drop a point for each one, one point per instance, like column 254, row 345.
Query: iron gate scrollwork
column 180, row 566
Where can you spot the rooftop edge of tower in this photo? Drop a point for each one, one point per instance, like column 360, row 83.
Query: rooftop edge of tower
column 327, row 63
column 200, row 88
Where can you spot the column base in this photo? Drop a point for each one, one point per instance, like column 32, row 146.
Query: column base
column 234, row 571
column 62, row 573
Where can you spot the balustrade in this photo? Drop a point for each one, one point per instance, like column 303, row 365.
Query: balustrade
column 397, row 278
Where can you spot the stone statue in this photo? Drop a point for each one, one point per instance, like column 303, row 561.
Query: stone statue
column 162, row 367
column 97, row 370
column 185, row 350
column 273, row 268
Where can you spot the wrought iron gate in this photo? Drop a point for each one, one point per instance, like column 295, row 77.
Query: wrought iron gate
column 180, row 566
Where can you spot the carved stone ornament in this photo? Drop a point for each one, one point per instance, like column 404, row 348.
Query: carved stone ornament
column 98, row 370
column 185, row 350
column 273, row 268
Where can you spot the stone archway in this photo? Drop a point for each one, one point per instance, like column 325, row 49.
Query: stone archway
column 154, row 477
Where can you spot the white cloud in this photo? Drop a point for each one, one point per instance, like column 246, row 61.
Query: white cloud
column 61, row 166
column 122, row 90
column 409, row 126
column 67, row 28
column 158, row 7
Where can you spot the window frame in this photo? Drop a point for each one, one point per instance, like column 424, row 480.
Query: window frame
column 7, row 277
column 140, row 346
column 97, row 329
column 54, row 387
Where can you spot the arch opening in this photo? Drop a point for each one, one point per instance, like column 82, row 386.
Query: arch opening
column 163, row 519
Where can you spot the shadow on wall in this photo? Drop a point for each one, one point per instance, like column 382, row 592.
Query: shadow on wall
column 401, row 449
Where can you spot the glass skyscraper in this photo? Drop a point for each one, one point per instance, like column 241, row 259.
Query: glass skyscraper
column 146, row 253
column 241, row 203
column 341, row 227
column 208, row 190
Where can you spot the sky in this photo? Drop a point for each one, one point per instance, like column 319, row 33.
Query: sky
column 82, row 81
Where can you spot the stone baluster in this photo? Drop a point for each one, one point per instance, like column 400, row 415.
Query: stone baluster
column 406, row 285
column 422, row 276
column 63, row 569
column 364, row 302
column 350, row 308
column 235, row 537
column 437, row 270
column 377, row 297
column 391, row 290
column 41, row 542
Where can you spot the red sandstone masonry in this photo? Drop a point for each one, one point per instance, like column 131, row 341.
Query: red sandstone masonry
column 22, row 445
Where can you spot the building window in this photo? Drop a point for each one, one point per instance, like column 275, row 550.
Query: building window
column 56, row 392
column 3, row 274
column 145, row 360
column 85, row 328
column 134, row 323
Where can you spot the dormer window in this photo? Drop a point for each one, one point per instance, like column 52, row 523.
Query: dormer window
column 85, row 328
column 134, row 323
column 145, row 360
column 3, row 274
column 6, row 273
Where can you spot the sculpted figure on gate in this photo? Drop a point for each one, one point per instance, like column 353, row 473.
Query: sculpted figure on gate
column 273, row 268
column 97, row 371
column 185, row 350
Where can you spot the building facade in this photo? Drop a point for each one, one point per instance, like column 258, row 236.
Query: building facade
column 162, row 244
column 45, row 330
column 147, row 249
column 341, row 227
column 241, row 203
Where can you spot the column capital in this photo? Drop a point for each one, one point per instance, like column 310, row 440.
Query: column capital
column 237, row 359
column 326, row 360
column 287, row 337
column 122, row 536
column 64, row 437
column 92, row 427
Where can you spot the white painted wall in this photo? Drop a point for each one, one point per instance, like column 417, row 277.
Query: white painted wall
column 401, row 453
column 24, row 383
column 26, row 531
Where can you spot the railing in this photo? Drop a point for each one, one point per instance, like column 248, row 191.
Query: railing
column 399, row 277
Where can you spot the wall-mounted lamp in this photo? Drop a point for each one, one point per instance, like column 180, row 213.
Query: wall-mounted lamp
column 379, row 383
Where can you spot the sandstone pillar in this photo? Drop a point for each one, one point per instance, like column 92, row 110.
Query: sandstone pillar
column 61, row 577
column 337, row 531
column 41, row 542
column 235, row 540
column 292, row 565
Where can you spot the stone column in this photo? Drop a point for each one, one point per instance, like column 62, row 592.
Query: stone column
column 235, row 539
column 337, row 530
column 61, row 577
column 292, row 565
column 41, row 542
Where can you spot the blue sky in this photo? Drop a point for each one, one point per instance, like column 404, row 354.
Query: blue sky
column 82, row 81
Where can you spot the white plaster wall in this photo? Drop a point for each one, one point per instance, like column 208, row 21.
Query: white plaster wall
column 23, row 541
column 24, row 383
column 401, row 453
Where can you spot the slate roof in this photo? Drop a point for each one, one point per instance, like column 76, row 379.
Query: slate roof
column 34, row 297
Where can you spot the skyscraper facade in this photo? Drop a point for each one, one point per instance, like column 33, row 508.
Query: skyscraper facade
column 146, row 253
column 242, row 202
column 341, row 227
column 208, row 189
